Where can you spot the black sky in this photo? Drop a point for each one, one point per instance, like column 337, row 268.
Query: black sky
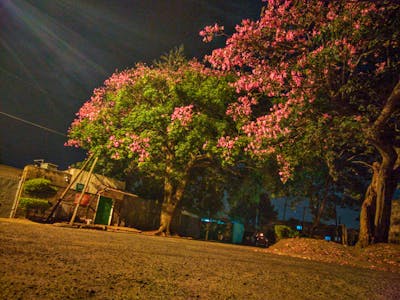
column 53, row 53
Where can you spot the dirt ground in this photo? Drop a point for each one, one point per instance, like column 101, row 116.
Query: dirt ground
column 48, row 262
column 383, row 257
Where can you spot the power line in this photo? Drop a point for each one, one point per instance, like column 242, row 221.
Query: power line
column 33, row 124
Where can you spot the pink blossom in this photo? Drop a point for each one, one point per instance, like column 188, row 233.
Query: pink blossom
column 139, row 146
column 326, row 116
column 358, row 118
column 296, row 76
column 209, row 32
column 73, row 143
column 380, row 67
column 285, row 168
column 119, row 79
column 331, row 15
column 183, row 114
column 290, row 36
column 116, row 156
column 242, row 108
column 227, row 144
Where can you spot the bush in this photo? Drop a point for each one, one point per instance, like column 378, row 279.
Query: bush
column 39, row 187
column 283, row 232
column 29, row 204
column 271, row 236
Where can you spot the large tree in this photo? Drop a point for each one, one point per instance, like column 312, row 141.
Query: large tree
column 312, row 182
column 321, row 79
column 164, row 120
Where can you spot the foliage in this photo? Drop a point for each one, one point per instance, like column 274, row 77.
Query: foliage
column 318, row 81
column 205, row 191
column 39, row 187
column 267, row 212
column 284, row 232
column 34, row 204
column 247, row 196
column 313, row 76
column 144, row 185
column 161, row 120
column 143, row 114
column 312, row 182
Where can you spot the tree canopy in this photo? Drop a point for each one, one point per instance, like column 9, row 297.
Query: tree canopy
column 320, row 79
column 163, row 120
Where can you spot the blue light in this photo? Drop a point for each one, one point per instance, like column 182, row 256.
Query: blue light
column 209, row 220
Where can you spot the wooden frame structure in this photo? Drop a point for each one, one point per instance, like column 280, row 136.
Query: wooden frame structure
column 99, row 193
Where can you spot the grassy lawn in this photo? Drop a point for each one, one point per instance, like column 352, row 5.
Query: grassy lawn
column 48, row 262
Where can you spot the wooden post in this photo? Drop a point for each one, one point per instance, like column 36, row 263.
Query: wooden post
column 208, row 226
column 97, row 206
column 18, row 193
column 111, row 212
column 83, row 192
column 67, row 189
column 344, row 234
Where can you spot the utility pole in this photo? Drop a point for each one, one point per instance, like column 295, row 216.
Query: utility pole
column 284, row 209
column 304, row 215
column 83, row 192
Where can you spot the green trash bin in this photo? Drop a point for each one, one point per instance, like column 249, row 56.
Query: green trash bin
column 237, row 233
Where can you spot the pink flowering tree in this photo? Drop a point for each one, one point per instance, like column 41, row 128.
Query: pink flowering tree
column 321, row 79
column 163, row 120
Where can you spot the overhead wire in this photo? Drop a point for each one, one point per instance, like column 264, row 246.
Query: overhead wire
column 33, row 124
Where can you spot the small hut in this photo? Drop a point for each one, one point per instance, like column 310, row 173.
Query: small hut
column 101, row 202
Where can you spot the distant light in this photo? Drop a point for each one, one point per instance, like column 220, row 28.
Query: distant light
column 208, row 220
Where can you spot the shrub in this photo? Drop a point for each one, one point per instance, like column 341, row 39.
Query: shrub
column 283, row 232
column 271, row 236
column 39, row 187
column 29, row 204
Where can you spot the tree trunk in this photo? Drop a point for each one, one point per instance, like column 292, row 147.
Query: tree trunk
column 171, row 201
column 317, row 219
column 377, row 205
column 167, row 211
column 321, row 209
column 173, row 193
column 385, row 190
column 367, row 214
column 376, row 208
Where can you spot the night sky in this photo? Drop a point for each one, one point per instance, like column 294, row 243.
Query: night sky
column 53, row 53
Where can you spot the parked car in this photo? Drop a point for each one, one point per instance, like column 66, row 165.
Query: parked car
column 260, row 240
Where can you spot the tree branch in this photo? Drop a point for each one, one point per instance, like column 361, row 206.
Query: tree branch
column 390, row 107
column 363, row 163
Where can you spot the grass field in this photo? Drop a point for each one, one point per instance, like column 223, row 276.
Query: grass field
column 49, row 262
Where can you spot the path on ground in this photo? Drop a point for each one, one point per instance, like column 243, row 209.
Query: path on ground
column 47, row 262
